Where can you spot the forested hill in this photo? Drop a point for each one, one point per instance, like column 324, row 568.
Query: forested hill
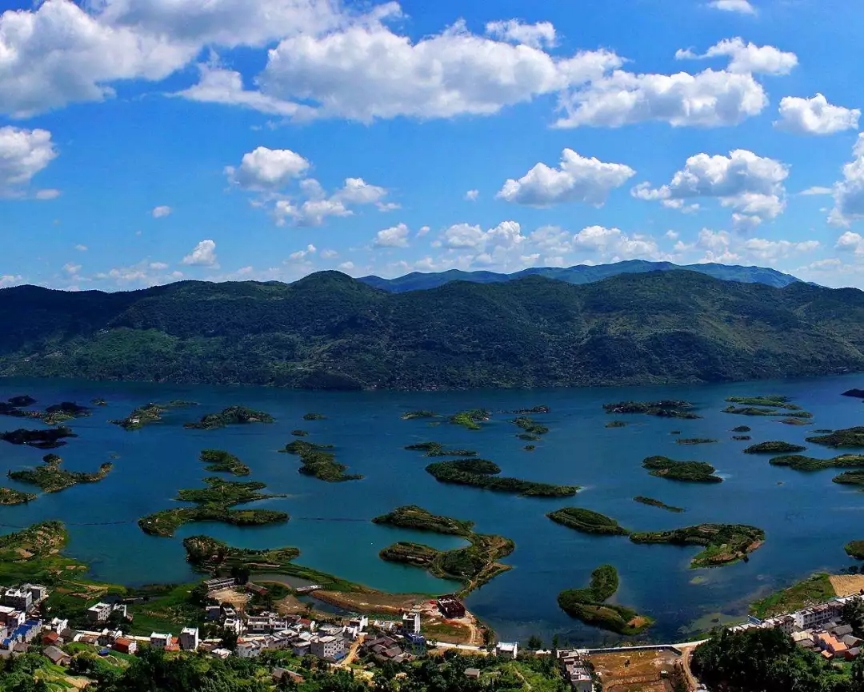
column 329, row 330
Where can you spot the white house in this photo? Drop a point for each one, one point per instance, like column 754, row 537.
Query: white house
column 411, row 623
column 507, row 649
column 159, row 641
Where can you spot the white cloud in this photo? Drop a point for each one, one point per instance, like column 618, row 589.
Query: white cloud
column 850, row 242
column 739, row 6
column 613, row 244
column 23, row 153
column 158, row 266
column 746, row 58
column 143, row 273
column 506, row 236
column 71, row 268
column 358, row 191
column 267, row 169
column 534, row 35
column 706, row 99
column 47, row 194
column 849, row 192
column 751, row 185
column 303, row 254
column 816, row 190
column 81, row 248
column 423, row 231
column 202, row 255
column 472, row 195
column 346, row 266
column 772, row 250
column 161, row 212
column 815, row 116
column 317, row 206
column 7, row 280
column 578, row 179
column 397, row 236
column 329, row 254
column 312, row 212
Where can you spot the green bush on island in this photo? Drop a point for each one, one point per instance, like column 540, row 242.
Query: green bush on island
column 149, row 413
column 774, row 401
column 588, row 605
column 319, row 463
column 848, row 438
column 8, row 496
column 803, row 463
column 687, row 471
column 742, row 438
column 529, row 448
column 220, row 461
column 51, row 478
column 855, row 549
column 21, row 400
column 751, row 411
column 742, row 429
column 530, row 426
column 695, row 441
column 98, row 401
column 412, row 415
column 299, row 433
column 587, row 521
column 663, row 409
column 314, row 416
column 419, row 519
column 215, row 555
column 616, row 424
column 850, row 478
column 774, row 447
column 723, row 543
column 41, row 439
column 470, row 419
column 233, row 415
column 482, row 473
column 436, row 449
column 651, row 502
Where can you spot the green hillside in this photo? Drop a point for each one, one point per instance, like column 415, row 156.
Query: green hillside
column 331, row 331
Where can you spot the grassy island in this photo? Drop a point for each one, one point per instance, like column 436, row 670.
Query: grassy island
column 213, row 555
column 318, row 462
column 21, row 400
column 51, row 478
column 850, row 478
column 663, row 409
column 8, row 496
column 587, row 521
column 414, row 415
column 687, row 471
column 850, row 438
column 149, row 413
column 802, row 463
column 473, row 565
column 855, row 549
column 651, row 502
column 771, row 401
column 589, row 606
column 41, row 439
column 64, row 411
column 530, row 427
column 314, row 416
column 774, row 447
column 436, row 449
column 482, row 473
column 233, row 415
column 723, row 543
column 742, row 429
column 695, row 441
column 219, row 461
column 419, row 519
column 470, row 419
column 214, row 503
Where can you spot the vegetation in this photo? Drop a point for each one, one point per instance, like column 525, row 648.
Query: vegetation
column 299, row 433
column 802, row 463
column 41, row 439
column 21, row 400
column 723, row 543
column 742, row 429
column 482, row 473
column 616, row 424
column 419, row 519
column 656, row 503
column 436, row 449
column 751, row 411
column 214, row 503
column 772, row 401
column 587, row 521
column 688, row 471
column 850, row 478
column 470, row 419
column 588, row 605
column 855, row 549
column 530, row 426
column 742, row 438
column 694, row 441
column 413, row 415
column 811, row 591
column 774, row 447
column 857, row 393
column 219, row 461
column 8, row 496
column 319, row 463
column 216, row 556
column 848, row 438
column 149, row 413
column 233, row 415
column 663, row 409
column 314, row 416
column 51, row 478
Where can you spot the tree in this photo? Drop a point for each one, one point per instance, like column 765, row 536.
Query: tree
column 240, row 573
column 229, row 640
column 853, row 614
column 534, row 642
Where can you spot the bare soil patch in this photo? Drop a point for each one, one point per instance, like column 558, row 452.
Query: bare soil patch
column 847, row 584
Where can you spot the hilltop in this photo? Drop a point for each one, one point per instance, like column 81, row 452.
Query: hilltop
column 330, row 331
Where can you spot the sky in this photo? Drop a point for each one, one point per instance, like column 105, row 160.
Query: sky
column 150, row 141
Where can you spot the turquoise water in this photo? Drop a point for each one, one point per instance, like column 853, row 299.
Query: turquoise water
column 808, row 519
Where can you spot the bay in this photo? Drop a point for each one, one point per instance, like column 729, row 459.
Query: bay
column 807, row 518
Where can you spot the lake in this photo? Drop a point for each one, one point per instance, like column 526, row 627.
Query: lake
column 807, row 518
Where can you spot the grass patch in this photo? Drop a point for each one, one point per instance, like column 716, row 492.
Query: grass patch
column 816, row 589
column 723, row 543
column 587, row 521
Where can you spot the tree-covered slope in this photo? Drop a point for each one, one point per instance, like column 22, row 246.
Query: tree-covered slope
column 329, row 330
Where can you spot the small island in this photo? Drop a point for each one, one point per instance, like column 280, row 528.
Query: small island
column 530, row 427
column 770, row 401
column 774, row 447
column 851, row 438
column 587, row 521
column 616, row 424
column 436, row 449
column 662, row 409
column 742, row 429
column 482, row 473
column 8, row 496
column 149, row 413
column 318, row 462
column 219, row 461
column 414, row 415
column 51, row 478
column 213, row 503
column 742, row 438
column 21, row 400
column 419, row 519
column 695, row 441
column 723, row 543
column 64, row 411
column 314, row 416
column 850, row 478
column 855, row 549
column 299, row 433
column 803, row 463
column 41, row 439
column 98, row 401
column 470, row 419
column 856, row 393
column 215, row 556
column 589, row 605
column 651, row 502
column 687, row 471
column 233, row 415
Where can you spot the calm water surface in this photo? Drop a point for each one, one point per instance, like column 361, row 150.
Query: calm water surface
column 808, row 519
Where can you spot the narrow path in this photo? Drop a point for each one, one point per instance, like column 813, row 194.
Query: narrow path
column 352, row 652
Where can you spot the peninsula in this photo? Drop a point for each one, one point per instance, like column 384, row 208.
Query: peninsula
column 589, row 605
column 723, row 543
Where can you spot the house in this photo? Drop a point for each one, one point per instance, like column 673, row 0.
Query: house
column 472, row 673
column 280, row 674
column 828, row 642
column 221, row 653
column 300, row 647
column 125, row 646
column 359, row 623
column 411, row 622
column 38, row 592
column 220, row 583
column 575, row 671
column 189, row 638
column 507, row 649
column 328, row 646
column 851, row 640
column 234, row 625
column 99, row 612
column 20, row 599
column 160, row 641
column 248, row 650
column 50, row 639
column 57, row 656
column 841, row 631
column 213, row 612
column 853, row 653
column 451, row 607
column 58, row 625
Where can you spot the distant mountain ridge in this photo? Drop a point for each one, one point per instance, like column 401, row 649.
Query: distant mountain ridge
column 581, row 274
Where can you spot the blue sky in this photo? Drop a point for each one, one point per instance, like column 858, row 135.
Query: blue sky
column 146, row 141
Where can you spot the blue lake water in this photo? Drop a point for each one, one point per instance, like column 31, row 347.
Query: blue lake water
column 808, row 519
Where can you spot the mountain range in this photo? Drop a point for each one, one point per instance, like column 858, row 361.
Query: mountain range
column 331, row 331
column 581, row 274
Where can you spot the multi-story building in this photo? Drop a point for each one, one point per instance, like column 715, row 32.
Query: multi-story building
column 328, row 646
column 159, row 641
column 189, row 638
column 20, row 599
column 411, row 622
column 99, row 612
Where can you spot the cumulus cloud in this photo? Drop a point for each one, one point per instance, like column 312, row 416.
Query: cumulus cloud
column 534, row 35
column 815, row 116
column 577, row 179
column 47, row 194
column 161, row 212
column 202, row 255
column 144, row 273
column 81, row 248
column 7, row 280
column 23, row 153
column 850, row 242
column 396, row 236
column 613, row 244
column 849, row 192
column 739, row 6
column 318, row 206
column 746, row 58
column 816, row 190
column 301, row 255
column 751, row 185
column 472, row 195
column 267, row 169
